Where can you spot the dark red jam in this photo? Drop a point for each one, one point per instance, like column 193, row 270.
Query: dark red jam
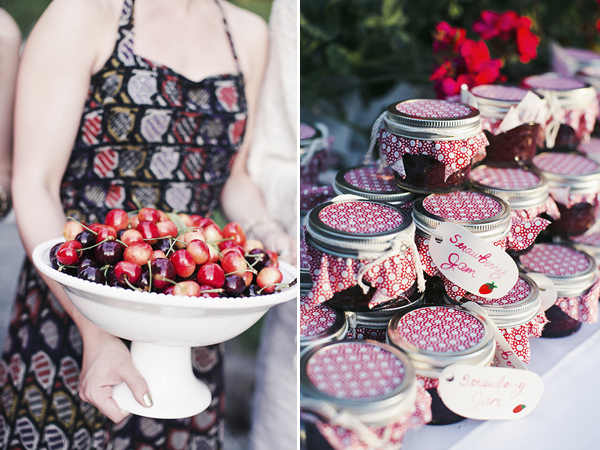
column 574, row 220
column 516, row 147
column 561, row 324
column 425, row 174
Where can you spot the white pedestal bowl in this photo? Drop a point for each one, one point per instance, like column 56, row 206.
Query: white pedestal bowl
column 163, row 329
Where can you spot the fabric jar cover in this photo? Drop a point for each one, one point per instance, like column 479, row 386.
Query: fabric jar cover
column 591, row 75
column 367, row 389
column 353, row 242
column 576, row 98
column 485, row 215
column 588, row 243
column 591, row 149
column 374, row 183
column 494, row 102
column 435, row 337
column 447, row 131
column 574, row 275
column 312, row 196
column 314, row 145
column 525, row 190
column 320, row 324
column 517, row 315
column 572, row 178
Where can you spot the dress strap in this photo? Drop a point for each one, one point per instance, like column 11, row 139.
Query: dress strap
column 237, row 63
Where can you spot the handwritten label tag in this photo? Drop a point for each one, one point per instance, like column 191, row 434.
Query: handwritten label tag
column 548, row 293
column 475, row 265
column 490, row 393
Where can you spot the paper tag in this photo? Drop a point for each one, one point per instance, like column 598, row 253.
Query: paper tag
column 548, row 293
column 504, row 356
column 475, row 265
column 489, row 393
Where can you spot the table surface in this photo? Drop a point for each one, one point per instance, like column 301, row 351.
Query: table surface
column 567, row 416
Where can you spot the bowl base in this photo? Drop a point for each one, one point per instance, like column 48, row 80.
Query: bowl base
column 176, row 393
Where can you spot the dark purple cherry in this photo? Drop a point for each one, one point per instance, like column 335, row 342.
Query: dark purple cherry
column 93, row 274
column 162, row 271
column 109, row 252
column 258, row 260
column 234, row 285
column 144, row 281
column 53, row 260
column 111, row 278
column 164, row 245
column 86, row 238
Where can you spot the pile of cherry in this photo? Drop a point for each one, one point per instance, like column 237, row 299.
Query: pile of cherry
column 147, row 251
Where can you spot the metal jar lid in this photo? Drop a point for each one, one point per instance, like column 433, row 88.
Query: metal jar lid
column 571, row 92
column 495, row 100
column 432, row 120
column 571, row 271
column 439, row 331
column 521, row 188
column 518, row 307
column 322, row 324
column 306, row 282
column 588, row 243
column 376, row 228
column 373, row 183
column 569, row 170
column 379, row 404
column 492, row 228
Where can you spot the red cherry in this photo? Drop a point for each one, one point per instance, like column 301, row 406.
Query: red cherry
column 267, row 278
column 236, row 249
column 138, row 254
column 158, row 254
column 127, row 271
column 183, row 262
column 167, row 228
column 72, row 229
column 273, row 258
column 248, row 277
column 212, row 232
column 68, row 253
column 188, row 288
column 149, row 231
column 203, row 291
column 234, row 264
column 234, row 230
column 148, row 215
column 162, row 216
column 199, row 251
column 212, row 275
column 131, row 237
column 169, row 290
column 117, row 219
column 190, row 236
column 251, row 244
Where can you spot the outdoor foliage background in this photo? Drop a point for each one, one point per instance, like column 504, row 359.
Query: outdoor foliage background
column 370, row 45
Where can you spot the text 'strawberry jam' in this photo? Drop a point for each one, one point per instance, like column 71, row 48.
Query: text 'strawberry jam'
column 320, row 324
column 360, row 242
column 577, row 101
column 314, row 144
column 517, row 314
column 435, row 337
column 575, row 277
column 484, row 215
column 431, row 144
column 574, row 182
column 373, row 183
column 372, row 384
column 515, row 146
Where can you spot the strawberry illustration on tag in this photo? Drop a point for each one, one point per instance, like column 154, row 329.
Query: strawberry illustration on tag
column 487, row 288
column 519, row 408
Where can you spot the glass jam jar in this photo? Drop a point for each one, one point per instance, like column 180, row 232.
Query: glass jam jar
column 485, row 215
column 587, row 242
column 371, row 323
column 373, row 183
column 517, row 314
column 435, row 337
column 364, row 243
column 574, row 182
column 516, row 146
column 577, row 101
column 313, row 148
column 431, row 144
column 357, row 394
column 320, row 324
column 575, row 277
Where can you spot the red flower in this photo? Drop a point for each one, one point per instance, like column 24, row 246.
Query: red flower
column 486, row 25
column 475, row 53
column 527, row 43
column 446, row 37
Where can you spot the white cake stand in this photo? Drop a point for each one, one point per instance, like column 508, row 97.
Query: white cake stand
column 163, row 329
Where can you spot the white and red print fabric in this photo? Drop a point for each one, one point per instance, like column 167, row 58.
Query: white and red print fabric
column 317, row 320
column 462, row 205
column 568, row 164
column 517, row 337
column 361, row 217
column 306, row 131
column 362, row 371
column 558, row 260
column 312, row 196
column 592, row 239
column 454, row 154
column 372, row 178
column 309, row 173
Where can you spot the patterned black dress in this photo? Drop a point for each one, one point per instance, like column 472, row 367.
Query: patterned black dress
column 146, row 133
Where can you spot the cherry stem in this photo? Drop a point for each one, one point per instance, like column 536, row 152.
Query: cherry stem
column 84, row 226
column 208, row 291
column 126, row 279
column 279, row 285
column 222, row 240
column 95, row 245
column 136, row 202
column 60, row 267
column 149, row 276
column 168, row 280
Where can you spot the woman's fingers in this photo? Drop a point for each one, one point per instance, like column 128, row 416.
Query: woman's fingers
column 137, row 385
column 102, row 399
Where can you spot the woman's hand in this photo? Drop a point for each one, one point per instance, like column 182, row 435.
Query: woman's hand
column 275, row 239
column 106, row 363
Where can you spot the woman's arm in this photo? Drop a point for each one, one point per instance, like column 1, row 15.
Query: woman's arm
column 241, row 199
column 67, row 45
column 10, row 44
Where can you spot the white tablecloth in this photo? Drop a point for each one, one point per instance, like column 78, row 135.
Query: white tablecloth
column 567, row 417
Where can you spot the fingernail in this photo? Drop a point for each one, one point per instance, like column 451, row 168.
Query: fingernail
column 147, row 400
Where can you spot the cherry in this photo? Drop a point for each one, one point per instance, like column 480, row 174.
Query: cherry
column 183, row 263
column 103, row 231
column 234, row 263
column 68, row 253
column 131, row 236
column 212, row 275
column 167, row 228
column 157, row 254
column 268, row 278
column 186, row 219
column 188, row 288
column 208, row 291
column 86, row 262
column 149, row 231
column 109, row 252
column 138, row 254
column 214, row 253
column 203, row 222
column 126, row 271
column 199, row 251
column 111, row 279
column 163, row 273
column 134, row 221
column 148, row 215
column 162, row 216
column 87, row 239
column 91, row 273
column 212, row 232
column 164, row 245
column 234, row 285
column 234, row 230
column 144, row 282
column 72, row 229
column 197, row 220
column 251, row 244
column 227, row 244
column 248, row 278
column 117, row 219
column 273, row 258
column 236, row 248
column 190, row 236
column 52, row 255
column 257, row 258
